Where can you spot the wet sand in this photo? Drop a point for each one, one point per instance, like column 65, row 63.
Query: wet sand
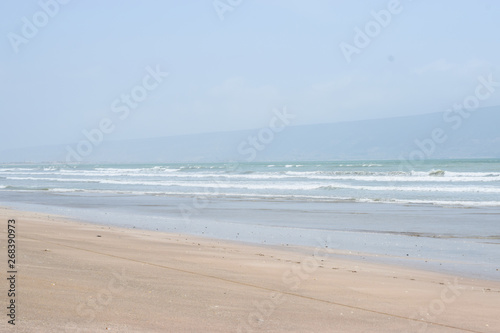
column 74, row 276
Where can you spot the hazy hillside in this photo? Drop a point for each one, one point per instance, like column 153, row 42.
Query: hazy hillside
column 474, row 137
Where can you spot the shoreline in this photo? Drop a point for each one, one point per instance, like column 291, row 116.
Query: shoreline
column 384, row 233
column 102, row 278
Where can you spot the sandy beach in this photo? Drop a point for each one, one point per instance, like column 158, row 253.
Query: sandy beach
column 73, row 276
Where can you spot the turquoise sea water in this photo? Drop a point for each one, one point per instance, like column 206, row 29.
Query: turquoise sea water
column 465, row 183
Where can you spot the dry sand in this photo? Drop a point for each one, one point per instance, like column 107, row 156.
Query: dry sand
column 97, row 278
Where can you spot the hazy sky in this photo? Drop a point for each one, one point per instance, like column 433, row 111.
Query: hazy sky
column 68, row 66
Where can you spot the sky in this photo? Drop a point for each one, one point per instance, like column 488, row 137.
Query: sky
column 141, row 69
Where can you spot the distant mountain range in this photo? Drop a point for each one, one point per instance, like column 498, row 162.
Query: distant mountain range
column 453, row 134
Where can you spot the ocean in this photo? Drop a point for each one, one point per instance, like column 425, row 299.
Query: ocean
column 462, row 183
column 437, row 214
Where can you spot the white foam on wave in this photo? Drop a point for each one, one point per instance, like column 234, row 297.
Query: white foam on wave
column 155, row 169
column 76, row 180
column 355, row 175
column 454, row 189
column 226, row 182
column 444, row 203
column 455, row 174
column 32, row 173
column 460, row 203
column 217, row 184
column 472, row 174
column 16, row 169
column 386, row 177
column 290, row 186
